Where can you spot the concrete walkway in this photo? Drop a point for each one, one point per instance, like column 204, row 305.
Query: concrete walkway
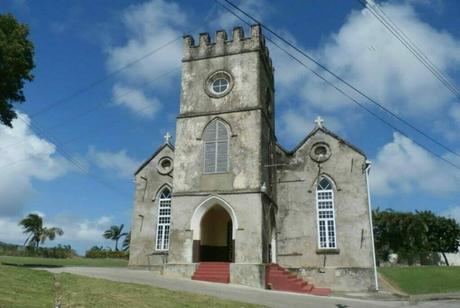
column 240, row 293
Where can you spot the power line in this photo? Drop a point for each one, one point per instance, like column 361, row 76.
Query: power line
column 95, row 107
column 393, row 114
column 59, row 147
column 330, row 83
column 101, row 80
column 115, row 72
column 71, row 140
column 114, row 98
column 66, row 155
column 396, row 31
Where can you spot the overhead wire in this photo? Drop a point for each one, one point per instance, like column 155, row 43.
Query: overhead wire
column 310, row 58
column 329, row 82
column 404, row 39
column 59, row 147
column 116, row 71
column 69, row 157
column 99, row 81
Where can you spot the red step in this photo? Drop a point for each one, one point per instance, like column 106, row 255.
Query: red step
column 282, row 280
column 213, row 272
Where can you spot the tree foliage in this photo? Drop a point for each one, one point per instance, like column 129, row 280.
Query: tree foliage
column 414, row 235
column 126, row 242
column 16, row 64
column 37, row 233
column 115, row 233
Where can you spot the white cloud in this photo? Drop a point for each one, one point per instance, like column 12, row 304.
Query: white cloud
column 452, row 212
column 294, row 126
column 78, row 232
column 11, row 232
column 119, row 162
column 148, row 26
column 403, row 167
column 25, row 157
column 257, row 8
column 135, row 100
column 81, row 229
column 364, row 53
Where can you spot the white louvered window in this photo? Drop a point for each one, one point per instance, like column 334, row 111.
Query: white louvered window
column 325, row 214
column 216, row 147
column 164, row 219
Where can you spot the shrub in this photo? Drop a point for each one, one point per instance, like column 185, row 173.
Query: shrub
column 59, row 252
column 100, row 252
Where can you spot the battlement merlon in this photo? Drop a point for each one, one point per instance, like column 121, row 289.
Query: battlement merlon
column 223, row 46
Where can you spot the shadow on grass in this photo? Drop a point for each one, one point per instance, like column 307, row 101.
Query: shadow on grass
column 31, row 265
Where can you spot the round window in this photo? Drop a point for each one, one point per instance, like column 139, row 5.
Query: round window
column 219, row 84
column 165, row 165
column 320, row 152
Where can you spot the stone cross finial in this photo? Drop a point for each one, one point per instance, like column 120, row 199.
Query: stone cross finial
column 167, row 137
column 319, row 121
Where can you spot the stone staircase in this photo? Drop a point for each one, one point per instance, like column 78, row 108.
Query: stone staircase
column 279, row 279
column 213, row 272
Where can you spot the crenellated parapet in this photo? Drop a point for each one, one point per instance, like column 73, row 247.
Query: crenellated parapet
column 223, row 46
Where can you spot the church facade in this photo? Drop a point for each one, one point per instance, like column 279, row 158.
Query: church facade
column 228, row 192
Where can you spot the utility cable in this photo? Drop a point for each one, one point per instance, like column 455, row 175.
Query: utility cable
column 407, row 123
column 339, row 89
column 396, row 31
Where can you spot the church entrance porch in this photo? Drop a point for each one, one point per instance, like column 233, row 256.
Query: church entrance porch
column 214, row 226
column 216, row 243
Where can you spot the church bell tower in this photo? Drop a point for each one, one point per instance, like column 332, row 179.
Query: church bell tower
column 224, row 137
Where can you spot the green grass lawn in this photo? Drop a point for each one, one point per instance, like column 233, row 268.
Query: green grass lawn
column 21, row 287
column 31, row 261
column 424, row 279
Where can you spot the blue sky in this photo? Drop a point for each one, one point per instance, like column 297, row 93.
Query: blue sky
column 110, row 128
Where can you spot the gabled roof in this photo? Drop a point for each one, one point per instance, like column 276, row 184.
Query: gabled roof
column 153, row 156
column 326, row 131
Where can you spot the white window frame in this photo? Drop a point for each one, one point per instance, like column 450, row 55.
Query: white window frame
column 163, row 229
column 324, row 196
column 215, row 144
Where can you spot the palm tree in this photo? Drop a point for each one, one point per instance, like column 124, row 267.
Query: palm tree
column 38, row 234
column 126, row 242
column 114, row 233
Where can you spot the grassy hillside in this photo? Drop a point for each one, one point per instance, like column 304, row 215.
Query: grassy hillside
column 20, row 287
column 36, row 261
column 424, row 279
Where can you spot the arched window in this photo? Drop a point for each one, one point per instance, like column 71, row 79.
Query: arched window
column 325, row 214
column 164, row 219
column 216, row 147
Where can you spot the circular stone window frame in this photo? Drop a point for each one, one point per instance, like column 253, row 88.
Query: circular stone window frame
column 319, row 158
column 163, row 170
column 208, row 87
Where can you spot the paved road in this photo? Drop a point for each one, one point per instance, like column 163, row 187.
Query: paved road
column 241, row 293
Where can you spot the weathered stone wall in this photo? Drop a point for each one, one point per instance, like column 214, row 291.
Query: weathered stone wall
column 265, row 199
column 245, row 152
column 339, row 278
column 297, row 219
column 148, row 183
column 247, row 209
column 252, row 275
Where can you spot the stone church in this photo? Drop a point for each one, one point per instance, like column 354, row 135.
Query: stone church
column 228, row 193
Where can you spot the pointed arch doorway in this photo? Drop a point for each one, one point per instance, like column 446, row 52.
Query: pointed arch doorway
column 214, row 225
column 216, row 235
